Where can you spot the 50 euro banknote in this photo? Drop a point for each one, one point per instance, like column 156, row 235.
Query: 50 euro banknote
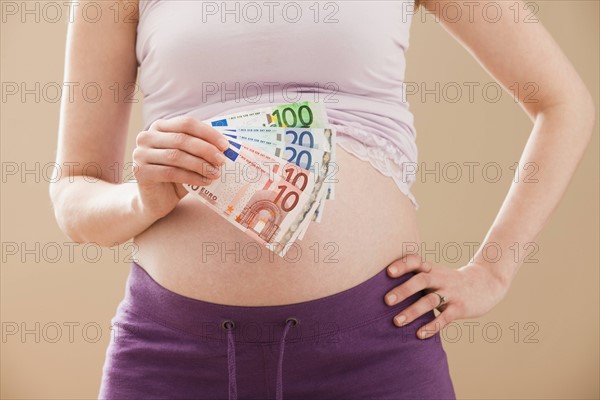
column 264, row 196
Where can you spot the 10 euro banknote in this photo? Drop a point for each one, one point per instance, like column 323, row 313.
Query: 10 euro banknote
column 274, row 181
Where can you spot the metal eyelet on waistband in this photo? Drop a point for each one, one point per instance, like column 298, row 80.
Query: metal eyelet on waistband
column 228, row 325
column 294, row 321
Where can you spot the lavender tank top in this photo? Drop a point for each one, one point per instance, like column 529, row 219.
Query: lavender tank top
column 204, row 58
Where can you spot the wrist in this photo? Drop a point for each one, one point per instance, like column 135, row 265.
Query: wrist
column 500, row 275
column 141, row 212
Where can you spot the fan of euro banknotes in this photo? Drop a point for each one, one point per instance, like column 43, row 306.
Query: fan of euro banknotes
column 277, row 176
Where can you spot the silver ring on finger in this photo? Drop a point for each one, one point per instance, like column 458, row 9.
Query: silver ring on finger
column 443, row 299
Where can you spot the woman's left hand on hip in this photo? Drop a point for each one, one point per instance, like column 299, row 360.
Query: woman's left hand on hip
column 470, row 292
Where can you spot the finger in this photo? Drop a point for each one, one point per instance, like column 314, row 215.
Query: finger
column 410, row 262
column 162, row 173
column 193, row 127
column 435, row 326
column 416, row 283
column 188, row 143
column 418, row 308
column 180, row 190
column 181, row 159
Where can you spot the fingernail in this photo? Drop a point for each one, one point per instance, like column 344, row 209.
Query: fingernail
column 223, row 144
column 400, row 319
column 424, row 334
column 391, row 299
column 393, row 270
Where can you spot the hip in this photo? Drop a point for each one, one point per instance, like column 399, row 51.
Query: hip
column 345, row 345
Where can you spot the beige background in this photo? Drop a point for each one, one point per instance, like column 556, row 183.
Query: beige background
column 548, row 324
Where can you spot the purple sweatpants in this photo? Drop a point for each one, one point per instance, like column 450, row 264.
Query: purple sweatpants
column 343, row 346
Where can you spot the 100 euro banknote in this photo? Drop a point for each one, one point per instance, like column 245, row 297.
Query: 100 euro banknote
column 305, row 114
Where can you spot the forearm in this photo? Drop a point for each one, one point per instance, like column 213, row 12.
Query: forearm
column 93, row 210
column 555, row 147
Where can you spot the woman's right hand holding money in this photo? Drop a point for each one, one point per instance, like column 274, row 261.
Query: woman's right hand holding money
column 172, row 152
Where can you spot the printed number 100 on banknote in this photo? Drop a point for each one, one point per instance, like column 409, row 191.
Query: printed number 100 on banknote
column 305, row 115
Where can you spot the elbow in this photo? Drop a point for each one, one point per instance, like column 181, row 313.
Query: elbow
column 70, row 224
column 584, row 108
column 579, row 108
column 73, row 218
column 64, row 219
column 585, row 113
column 67, row 228
column 589, row 113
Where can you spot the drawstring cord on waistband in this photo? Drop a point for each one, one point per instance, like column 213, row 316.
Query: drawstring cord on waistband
column 279, row 385
column 229, row 326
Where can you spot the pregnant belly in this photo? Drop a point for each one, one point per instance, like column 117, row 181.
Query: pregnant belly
column 196, row 253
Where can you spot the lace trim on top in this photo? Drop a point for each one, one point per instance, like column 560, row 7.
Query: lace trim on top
column 381, row 153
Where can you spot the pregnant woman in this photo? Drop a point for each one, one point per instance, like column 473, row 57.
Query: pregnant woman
column 349, row 314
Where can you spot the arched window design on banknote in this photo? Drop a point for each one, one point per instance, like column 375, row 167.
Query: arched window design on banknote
column 262, row 215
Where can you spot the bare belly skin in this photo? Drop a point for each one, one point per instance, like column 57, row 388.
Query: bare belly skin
column 196, row 253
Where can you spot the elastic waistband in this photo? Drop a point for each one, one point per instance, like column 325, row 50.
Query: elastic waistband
column 319, row 318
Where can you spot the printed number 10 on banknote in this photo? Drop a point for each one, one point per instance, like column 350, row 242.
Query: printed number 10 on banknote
column 270, row 199
column 263, row 196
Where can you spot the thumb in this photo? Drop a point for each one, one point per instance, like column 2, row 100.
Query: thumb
column 180, row 190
